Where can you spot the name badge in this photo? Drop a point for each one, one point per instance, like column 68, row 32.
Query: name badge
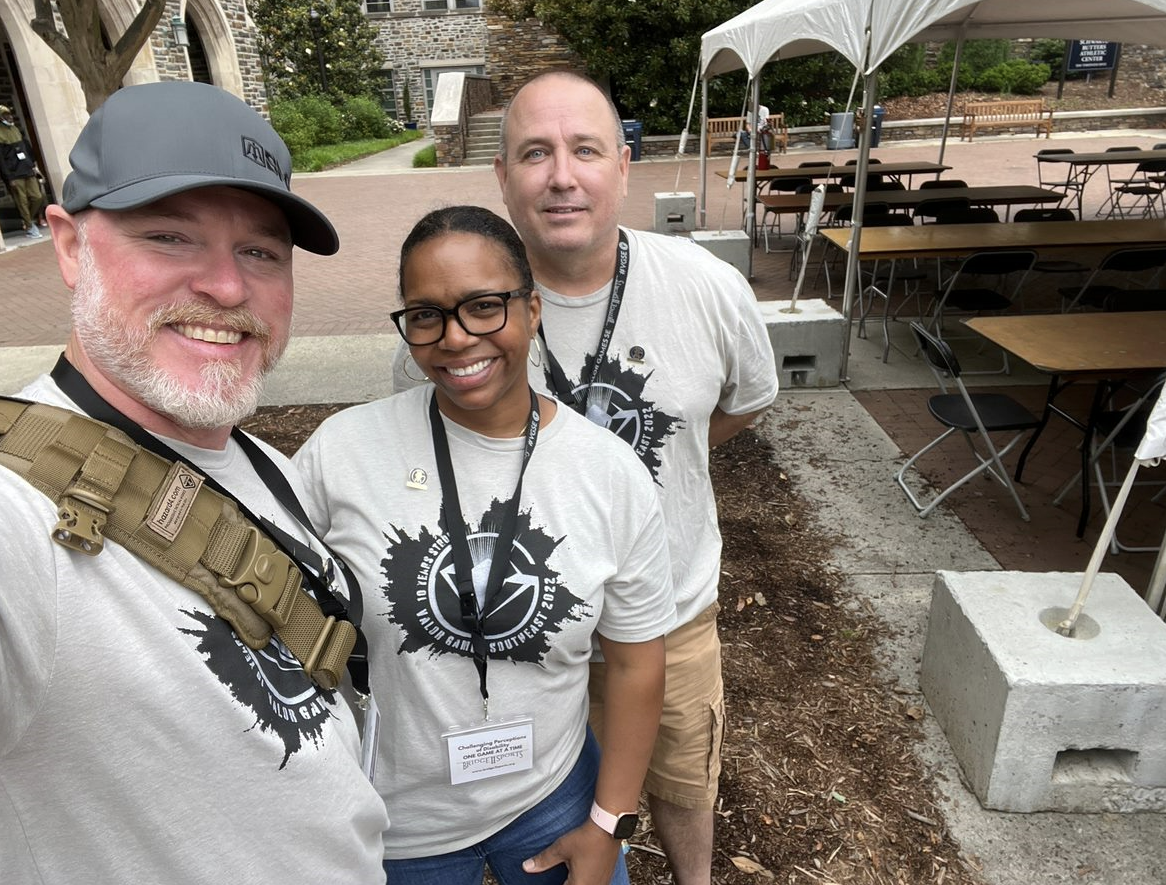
column 491, row 749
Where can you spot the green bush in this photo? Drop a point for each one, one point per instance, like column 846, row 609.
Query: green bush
column 922, row 82
column 296, row 130
column 362, row 117
column 977, row 55
column 1050, row 52
column 326, row 117
column 425, row 158
column 307, row 122
column 1016, row 77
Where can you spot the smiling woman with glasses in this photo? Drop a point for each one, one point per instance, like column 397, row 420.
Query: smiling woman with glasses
column 500, row 542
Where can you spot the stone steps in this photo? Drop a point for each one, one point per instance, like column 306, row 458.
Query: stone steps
column 482, row 141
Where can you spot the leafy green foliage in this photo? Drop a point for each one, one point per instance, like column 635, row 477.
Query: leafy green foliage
column 289, row 42
column 362, row 117
column 425, row 158
column 1051, row 52
column 906, row 73
column 306, row 122
column 1014, row 77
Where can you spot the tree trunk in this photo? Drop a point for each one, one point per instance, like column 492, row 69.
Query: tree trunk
column 83, row 49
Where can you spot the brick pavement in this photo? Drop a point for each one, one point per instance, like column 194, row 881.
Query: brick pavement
column 353, row 292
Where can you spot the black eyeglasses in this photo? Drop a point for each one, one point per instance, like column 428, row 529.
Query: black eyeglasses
column 477, row 315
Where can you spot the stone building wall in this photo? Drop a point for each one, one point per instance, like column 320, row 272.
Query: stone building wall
column 516, row 51
column 1143, row 64
column 171, row 61
column 411, row 38
column 247, row 49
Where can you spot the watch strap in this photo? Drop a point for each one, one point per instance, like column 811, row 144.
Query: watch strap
column 608, row 822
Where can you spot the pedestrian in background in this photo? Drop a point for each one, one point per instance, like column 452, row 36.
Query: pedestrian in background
column 19, row 174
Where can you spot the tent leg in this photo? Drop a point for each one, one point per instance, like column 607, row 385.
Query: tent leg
column 702, row 218
column 955, row 70
column 751, row 182
column 850, row 289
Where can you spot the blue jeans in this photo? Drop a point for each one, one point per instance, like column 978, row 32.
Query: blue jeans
column 524, row 837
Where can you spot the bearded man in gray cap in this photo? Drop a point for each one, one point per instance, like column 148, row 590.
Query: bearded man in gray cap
column 147, row 735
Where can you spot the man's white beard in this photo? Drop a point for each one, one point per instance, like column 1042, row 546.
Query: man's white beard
column 122, row 351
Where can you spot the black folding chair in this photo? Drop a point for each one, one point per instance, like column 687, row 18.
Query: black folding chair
column 1052, row 265
column 984, row 282
column 1059, row 177
column 1140, row 196
column 973, row 415
column 1115, row 273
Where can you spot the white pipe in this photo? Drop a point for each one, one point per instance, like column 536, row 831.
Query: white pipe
column 1066, row 627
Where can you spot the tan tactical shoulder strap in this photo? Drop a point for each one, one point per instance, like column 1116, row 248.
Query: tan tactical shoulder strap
column 107, row 486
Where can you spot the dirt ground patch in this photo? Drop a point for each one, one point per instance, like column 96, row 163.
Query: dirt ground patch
column 820, row 781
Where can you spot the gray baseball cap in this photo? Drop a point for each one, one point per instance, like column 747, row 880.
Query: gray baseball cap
column 158, row 139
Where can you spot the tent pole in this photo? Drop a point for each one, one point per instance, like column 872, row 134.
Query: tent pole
column 850, row 289
column 702, row 219
column 751, row 177
column 955, row 71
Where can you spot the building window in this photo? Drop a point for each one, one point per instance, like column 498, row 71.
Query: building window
column 443, row 5
column 371, row 6
column 385, row 85
column 430, row 75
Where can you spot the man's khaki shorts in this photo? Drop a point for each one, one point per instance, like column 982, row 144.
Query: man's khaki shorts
column 686, row 762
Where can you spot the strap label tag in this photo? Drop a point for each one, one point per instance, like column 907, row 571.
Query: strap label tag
column 173, row 501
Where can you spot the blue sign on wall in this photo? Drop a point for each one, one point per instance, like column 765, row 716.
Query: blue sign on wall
column 1092, row 55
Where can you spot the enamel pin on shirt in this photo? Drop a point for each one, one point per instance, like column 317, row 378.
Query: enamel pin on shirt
column 418, row 479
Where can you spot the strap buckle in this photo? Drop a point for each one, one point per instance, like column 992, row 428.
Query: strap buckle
column 80, row 522
column 261, row 576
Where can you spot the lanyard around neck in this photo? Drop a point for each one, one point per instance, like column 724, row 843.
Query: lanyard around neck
column 316, row 572
column 474, row 615
column 556, row 377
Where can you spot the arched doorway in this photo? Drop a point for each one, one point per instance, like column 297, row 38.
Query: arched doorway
column 200, row 68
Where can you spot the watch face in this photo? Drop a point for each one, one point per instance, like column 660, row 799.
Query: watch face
column 625, row 825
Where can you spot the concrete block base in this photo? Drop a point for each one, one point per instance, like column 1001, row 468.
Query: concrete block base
column 807, row 345
column 732, row 246
column 1040, row 721
column 675, row 212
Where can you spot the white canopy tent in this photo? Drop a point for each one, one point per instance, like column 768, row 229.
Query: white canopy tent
column 866, row 32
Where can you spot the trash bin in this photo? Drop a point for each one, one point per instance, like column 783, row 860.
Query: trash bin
column 876, row 124
column 841, row 134
column 633, row 132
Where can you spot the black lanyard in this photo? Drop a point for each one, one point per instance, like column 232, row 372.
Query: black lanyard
column 316, row 572
column 474, row 616
column 556, row 377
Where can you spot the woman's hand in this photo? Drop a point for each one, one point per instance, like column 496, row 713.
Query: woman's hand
column 589, row 853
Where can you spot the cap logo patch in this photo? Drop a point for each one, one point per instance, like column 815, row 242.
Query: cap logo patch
column 261, row 156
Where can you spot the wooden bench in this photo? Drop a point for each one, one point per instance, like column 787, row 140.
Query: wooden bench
column 725, row 129
column 1005, row 115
